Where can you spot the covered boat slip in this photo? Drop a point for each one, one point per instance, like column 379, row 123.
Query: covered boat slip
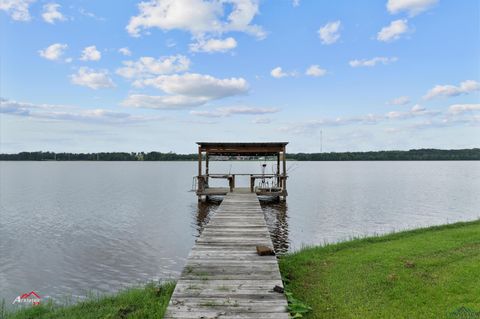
column 274, row 185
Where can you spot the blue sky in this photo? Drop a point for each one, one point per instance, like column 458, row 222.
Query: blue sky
column 86, row 76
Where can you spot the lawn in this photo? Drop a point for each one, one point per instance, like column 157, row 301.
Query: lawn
column 147, row 302
column 425, row 273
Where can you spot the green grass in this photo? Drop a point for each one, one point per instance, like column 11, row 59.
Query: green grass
column 147, row 302
column 424, row 273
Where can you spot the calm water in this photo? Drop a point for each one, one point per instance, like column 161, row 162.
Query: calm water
column 72, row 228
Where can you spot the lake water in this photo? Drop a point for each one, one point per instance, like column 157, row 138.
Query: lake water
column 73, row 228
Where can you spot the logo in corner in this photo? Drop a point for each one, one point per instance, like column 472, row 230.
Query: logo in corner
column 29, row 298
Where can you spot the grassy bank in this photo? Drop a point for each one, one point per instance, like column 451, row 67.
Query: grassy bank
column 148, row 302
column 424, row 273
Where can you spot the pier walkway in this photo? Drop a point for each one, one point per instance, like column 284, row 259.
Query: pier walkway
column 224, row 276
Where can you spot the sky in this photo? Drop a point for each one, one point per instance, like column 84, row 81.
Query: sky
column 159, row 75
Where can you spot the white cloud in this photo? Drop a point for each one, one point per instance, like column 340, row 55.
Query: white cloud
column 163, row 102
column 372, row 62
column 170, row 43
column 198, row 17
column 233, row 110
column 148, row 66
column 462, row 108
column 92, row 78
column 393, row 31
column 51, row 13
column 125, row 51
column 17, row 9
column 214, row 45
column 416, row 110
column 91, row 54
column 88, row 14
column 69, row 113
column 314, row 125
column 53, row 52
column 401, row 100
column 295, row 3
column 278, row 73
column 261, row 120
column 330, row 33
column 465, row 87
column 198, row 85
column 316, row 71
column 413, row 7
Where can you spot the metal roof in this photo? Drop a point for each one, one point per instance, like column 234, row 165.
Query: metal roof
column 242, row 144
column 242, row 148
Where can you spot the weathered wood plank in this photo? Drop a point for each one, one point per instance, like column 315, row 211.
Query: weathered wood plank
column 224, row 277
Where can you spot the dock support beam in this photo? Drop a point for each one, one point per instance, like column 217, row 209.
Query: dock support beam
column 284, row 186
column 206, row 167
column 199, row 161
column 279, row 180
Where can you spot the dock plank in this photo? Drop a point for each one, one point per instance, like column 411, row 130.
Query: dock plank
column 224, row 277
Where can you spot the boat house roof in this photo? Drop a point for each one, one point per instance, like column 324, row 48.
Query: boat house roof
column 241, row 148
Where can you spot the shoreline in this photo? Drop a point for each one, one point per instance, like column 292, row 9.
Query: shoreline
column 407, row 274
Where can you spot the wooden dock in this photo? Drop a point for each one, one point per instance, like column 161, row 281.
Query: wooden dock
column 224, row 276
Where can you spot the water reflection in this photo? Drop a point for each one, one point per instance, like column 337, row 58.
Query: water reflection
column 275, row 213
column 205, row 209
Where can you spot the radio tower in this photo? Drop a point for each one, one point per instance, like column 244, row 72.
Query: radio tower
column 321, row 141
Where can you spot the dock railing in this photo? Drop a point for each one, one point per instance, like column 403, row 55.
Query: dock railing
column 259, row 183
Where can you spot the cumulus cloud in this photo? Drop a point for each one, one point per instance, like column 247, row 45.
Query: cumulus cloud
column 91, row 54
column 278, row 73
column 200, row 18
column 18, row 10
column 125, row 51
column 330, row 33
column 372, row 62
column 465, row 87
column 94, row 79
column 149, row 66
column 393, row 31
column 53, row 52
column 69, row 113
column 214, row 45
column 463, row 108
column 401, row 100
column 412, row 7
column 316, row 71
column 233, row 110
column 198, row 85
column 51, row 13
column 163, row 102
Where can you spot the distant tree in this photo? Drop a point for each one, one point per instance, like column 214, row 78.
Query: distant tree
column 411, row 155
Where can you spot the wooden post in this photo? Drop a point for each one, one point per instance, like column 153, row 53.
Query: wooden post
column 279, row 180
column 199, row 161
column 284, row 170
column 206, row 167
column 252, row 183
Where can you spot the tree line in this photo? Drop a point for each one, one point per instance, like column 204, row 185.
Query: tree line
column 411, row 155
